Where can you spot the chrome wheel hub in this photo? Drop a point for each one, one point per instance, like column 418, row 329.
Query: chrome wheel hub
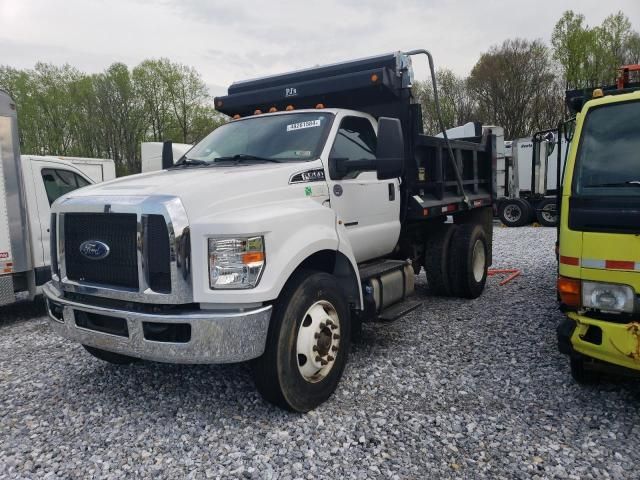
column 318, row 341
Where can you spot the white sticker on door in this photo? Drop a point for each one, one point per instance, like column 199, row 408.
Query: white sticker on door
column 301, row 125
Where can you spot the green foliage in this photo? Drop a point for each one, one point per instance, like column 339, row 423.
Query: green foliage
column 62, row 111
column 590, row 56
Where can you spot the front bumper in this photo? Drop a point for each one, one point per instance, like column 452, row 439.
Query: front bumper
column 215, row 336
column 620, row 343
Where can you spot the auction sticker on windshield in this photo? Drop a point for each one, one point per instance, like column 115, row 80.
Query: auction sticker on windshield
column 301, row 125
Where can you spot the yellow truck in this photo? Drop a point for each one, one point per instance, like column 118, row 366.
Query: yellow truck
column 599, row 234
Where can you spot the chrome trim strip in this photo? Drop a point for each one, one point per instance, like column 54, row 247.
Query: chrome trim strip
column 216, row 336
column 175, row 216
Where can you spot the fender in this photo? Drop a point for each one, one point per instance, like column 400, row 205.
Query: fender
column 293, row 232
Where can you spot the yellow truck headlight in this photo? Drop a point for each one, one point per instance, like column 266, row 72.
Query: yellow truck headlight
column 607, row 297
column 235, row 262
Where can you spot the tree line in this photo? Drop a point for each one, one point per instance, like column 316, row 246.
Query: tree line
column 62, row 111
column 520, row 84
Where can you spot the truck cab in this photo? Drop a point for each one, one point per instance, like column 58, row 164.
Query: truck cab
column 599, row 235
column 277, row 235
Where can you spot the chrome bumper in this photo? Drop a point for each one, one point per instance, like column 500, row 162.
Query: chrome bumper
column 216, row 337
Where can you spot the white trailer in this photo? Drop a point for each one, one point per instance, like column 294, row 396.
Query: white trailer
column 29, row 184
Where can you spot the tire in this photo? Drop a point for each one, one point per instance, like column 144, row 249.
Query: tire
column 436, row 259
column 580, row 373
column 514, row 212
column 299, row 328
column 110, row 357
column 468, row 261
column 542, row 212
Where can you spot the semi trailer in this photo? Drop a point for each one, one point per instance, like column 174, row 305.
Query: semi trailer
column 28, row 186
column 531, row 179
column 274, row 238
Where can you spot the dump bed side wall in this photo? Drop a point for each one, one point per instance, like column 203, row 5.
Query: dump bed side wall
column 14, row 195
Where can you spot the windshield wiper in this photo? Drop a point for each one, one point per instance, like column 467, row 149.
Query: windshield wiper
column 242, row 156
column 188, row 162
column 629, row 183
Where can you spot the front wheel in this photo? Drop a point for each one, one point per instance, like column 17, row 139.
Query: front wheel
column 307, row 345
column 581, row 372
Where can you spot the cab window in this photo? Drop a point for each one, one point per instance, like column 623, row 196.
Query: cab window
column 57, row 182
column 356, row 140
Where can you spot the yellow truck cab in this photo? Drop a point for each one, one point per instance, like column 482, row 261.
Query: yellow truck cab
column 599, row 235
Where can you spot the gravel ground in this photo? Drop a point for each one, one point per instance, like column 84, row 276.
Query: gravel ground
column 466, row 389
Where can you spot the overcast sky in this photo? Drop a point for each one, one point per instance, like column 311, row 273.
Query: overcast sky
column 233, row 40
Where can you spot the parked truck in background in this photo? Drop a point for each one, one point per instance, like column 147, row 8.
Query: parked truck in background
column 28, row 186
column 599, row 233
column 279, row 233
column 531, row 179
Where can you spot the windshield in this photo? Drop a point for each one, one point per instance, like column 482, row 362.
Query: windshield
column 280, row 138
column 608, row 162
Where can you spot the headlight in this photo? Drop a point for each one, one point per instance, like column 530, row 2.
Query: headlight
column 607, row 296
column 235, row 262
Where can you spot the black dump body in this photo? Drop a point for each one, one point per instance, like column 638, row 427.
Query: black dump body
column 381, row 86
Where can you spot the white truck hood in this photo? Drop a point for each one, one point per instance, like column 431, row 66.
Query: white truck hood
column 207, row 190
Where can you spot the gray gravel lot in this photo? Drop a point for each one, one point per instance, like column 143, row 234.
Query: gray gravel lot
column 455, row 389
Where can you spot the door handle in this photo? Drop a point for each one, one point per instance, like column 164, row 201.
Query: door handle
column 392, row 192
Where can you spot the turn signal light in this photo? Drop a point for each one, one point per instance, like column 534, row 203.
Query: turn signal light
column 569, row 291
column 374, row 77
column 597, row 93
column 252, row 257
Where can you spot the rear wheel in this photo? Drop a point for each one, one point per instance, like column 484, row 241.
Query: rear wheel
column 514, row 212
column 546, row 212
column 307, row 345
column 468, row 261
column 436, row 259
column 111, row 357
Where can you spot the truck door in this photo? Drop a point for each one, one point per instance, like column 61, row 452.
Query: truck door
column 368, row 208
column 51, row 180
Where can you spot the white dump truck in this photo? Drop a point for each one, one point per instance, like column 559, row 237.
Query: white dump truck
column 278, row 234
column 28, row 186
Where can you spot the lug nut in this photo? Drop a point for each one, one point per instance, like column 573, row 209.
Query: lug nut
column 330, row 358
column 316, row 335
column 323, row 362
column 334, row 348
column 336, row 336
column 315, row 348
column 318, row 359
column 322, row 325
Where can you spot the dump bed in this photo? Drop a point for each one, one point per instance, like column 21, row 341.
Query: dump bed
column 381, row 86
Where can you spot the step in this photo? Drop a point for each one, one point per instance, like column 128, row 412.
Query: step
column 398, row 310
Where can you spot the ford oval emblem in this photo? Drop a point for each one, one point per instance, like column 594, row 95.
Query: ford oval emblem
column 94, row 249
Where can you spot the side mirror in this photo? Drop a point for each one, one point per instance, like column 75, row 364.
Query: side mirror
column 390, row 149
column 167, row 154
